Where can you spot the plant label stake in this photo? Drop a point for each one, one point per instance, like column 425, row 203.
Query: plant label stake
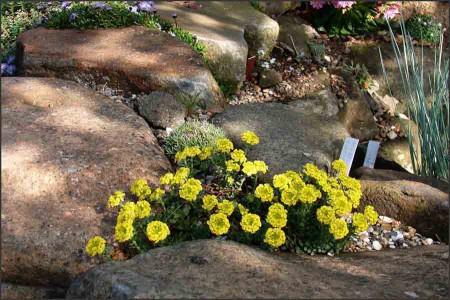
column 250, row 66
column 348, row 151
column 371, row 154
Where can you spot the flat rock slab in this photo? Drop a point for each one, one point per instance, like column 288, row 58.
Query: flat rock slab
column 65, row 149
column 231, row 30
column 136, row 58
column 234, row 271
column 416, row 201
column 289, row 136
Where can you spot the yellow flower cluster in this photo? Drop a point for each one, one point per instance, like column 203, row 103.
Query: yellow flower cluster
column 166, row 179
column 250, row 138
column 325, row 214
column 238, row 156
column 190, row 190
column 224, row 145
column 206, row 153
column 288, row 180
column 251, row 168
column 251, row 223
column 289, row 196
column 140, row 189
column 359, row 222
column 264, row 192
column 157, row 194
column 124, row 229
column 209, row 202
column 370, row 214
column 309, row 194
column 226, row 207
column 275, row 237
column 339, row 166
column 232, row 166
column 277, row 215
column 218, row 224
column 95, row 246
column 143, row 209
column 116, row 199
column 338, row 228
column 352, row 188
column 180, row 176
column 339, row 202
column 318, row 176
column 157, row 231
column 187, row 152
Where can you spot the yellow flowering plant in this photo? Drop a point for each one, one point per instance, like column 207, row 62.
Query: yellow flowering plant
column 214, row 192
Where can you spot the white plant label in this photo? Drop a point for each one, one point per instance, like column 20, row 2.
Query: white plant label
column 371, row 154
column 348, row 151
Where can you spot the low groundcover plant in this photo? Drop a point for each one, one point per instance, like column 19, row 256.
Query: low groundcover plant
column 215, row 193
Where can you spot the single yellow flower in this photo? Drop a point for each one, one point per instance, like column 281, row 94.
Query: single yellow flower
column 95, row 246
column 325, row 214
column 140, row 189
column 218, row 224
column 264, row 192
column 226, row 207
column 157, row 231
column 116, row 199
column 250, row 223
column 143, row 209
column 275, row 237
column 238, row 156
column 224, row 145
column 209, row 202
column 250, row 138
column 338, row 228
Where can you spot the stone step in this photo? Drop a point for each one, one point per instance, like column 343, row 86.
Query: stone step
column 136, row 59
column 65, row 149
column 231, row 31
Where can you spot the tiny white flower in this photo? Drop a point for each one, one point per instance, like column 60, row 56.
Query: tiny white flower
column 419, row 19
column 169, row 130
column 272, row 60
column 439, row 24
column 425, row 23
column 172, row 34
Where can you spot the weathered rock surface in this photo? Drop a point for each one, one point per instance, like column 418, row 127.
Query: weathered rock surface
column 356, row 114
column 269, row 78
column 137, row 59
column 162, row 110
column 397, row 150
column 231, row 31
column 14, row 291
column 65, row 149
column 367, row 53
column 407, row 199
column 275, row 8
column 235, row 271
column 323, row 103
column 289, row 137
column 301, row 32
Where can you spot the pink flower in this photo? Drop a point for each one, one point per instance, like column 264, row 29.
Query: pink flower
column 317, row 4
column 391, row 12
column 343, row 4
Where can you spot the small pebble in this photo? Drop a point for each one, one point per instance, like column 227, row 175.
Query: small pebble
column 376, row 245
column 428, row 241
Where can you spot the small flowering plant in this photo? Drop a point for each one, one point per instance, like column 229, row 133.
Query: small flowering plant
column 215, row 193
column 341, row 18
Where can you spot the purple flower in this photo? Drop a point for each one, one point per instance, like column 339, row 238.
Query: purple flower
column 73, row 16
column 174, row 15
column 99, row 5
column 8, row 69
column 10, row 59
column 65, row 4
column 107, row 7
column 41, row 7
column 317, row 4
column 145, row 5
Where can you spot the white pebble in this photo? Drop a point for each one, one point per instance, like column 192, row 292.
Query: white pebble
column 370, row 229
column 386, row 219
column 429, row 241
column 392, row 246
column 376, row 245
column 398, row 236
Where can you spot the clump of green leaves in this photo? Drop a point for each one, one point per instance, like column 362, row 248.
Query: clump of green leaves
column 191, row 102
column 361, row 74
column 317, row 50
column 16, row 17
column 197, row 133
column 422, row 27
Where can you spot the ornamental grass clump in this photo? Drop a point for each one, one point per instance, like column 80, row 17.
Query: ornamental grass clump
column 214, row 193
column 430, row 113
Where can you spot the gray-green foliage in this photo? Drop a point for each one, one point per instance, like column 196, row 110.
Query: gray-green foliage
column 197, row 133
column 431, row 115
column 191, row 102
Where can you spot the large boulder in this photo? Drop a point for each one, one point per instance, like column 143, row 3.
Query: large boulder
column 214, row 269
column 408, row 198
column 162, row 110
column 137, row 59
column 301, row 32
column 290, row 137
column 367, row 53
column 65, row 149
column 231, row 31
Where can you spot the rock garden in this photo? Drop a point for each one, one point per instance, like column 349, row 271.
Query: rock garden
column 198, row 149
